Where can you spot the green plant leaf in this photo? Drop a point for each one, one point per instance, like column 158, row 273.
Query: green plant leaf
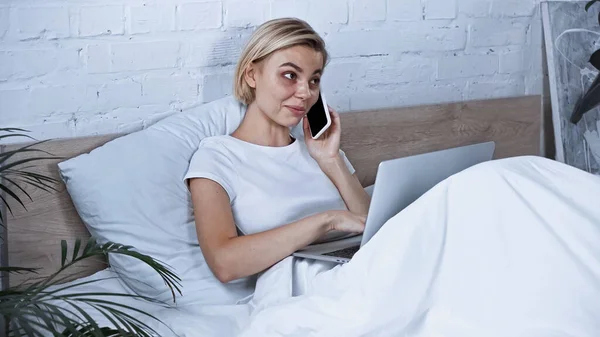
column 7, row 206
column 13, row 130
column 23, row 161
column 27, row 148
column 38, row 177
column 29, row 178
column 76, row 248
column 63, row 252
column 4, row 156
column 12, row 194
column 19, row 270
column 87, row 330
column 17, row 186
column 16, row 135
column 589, row 4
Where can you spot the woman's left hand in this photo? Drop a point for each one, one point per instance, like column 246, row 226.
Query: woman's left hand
column 327, row 146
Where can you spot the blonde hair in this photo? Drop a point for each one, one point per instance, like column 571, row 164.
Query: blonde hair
column 268, row 38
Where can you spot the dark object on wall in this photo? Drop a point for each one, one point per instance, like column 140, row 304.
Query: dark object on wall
column 591, row 98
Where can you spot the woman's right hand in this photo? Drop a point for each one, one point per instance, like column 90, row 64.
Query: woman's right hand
column 346, row 221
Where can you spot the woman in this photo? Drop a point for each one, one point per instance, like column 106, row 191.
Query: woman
column 281, row 193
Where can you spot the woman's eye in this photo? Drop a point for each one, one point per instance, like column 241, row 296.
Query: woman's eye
column 289, row 76
column 316, row 81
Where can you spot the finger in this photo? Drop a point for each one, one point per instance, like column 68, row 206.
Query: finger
column 305, row 127
column 334, row 115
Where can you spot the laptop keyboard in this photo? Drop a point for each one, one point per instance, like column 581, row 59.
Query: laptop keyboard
column 345, row 253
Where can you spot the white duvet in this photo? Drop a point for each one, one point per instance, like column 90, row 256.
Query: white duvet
column 506, row 248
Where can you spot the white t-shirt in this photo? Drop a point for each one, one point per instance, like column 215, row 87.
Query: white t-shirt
column 267, row 186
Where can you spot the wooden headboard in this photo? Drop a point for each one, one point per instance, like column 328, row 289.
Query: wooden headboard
column 367, row 138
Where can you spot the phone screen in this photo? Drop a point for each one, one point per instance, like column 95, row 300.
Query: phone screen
column 317, row 119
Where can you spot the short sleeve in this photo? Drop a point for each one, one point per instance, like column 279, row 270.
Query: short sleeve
column 348, row 164
column 211, row 162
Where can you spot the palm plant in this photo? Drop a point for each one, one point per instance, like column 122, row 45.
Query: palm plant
column 45, row 306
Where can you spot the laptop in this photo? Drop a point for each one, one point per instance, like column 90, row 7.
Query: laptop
column 398, row 183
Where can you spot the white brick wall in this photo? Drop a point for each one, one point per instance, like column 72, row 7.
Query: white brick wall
column 71, row 68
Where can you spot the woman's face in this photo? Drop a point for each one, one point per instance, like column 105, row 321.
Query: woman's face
column 287, row 83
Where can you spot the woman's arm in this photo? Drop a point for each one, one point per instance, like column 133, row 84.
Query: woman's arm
column 357, row 200
column 326, row 151
column 230, row 256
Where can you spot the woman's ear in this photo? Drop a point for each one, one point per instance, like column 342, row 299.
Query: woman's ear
column 249, row 75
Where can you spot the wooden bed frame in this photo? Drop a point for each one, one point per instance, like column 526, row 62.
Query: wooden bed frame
column 34, row 235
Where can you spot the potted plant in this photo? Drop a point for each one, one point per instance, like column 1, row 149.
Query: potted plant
column 41, row 307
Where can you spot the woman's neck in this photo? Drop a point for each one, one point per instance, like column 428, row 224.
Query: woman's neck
column 259, row 129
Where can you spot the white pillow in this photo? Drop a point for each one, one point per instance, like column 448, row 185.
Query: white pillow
column 131, row 191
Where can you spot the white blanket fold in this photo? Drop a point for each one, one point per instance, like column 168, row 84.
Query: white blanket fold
column 505, row 248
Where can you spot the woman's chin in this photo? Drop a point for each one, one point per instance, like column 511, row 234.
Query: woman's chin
column 293, row 121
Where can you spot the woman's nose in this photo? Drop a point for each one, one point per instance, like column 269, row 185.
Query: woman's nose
column 303, row 91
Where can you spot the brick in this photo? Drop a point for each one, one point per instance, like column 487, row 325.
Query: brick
column 495, row 32
column 534, row 34
column 101, row 20
column 326, row 12
column 512, row 62
column 533, row 59
column 169, row 89
column 145, row 55
column 289, row 8
column 467, row 66
column 404, row 10
column 407, row 68
column 434, row 38
column 475, row 8
column 4, row 21
column 215, row 50
column 383, row 42
column 368, row 10
column 534, row 84
column 342, row 77
column 440, row 9
column 245, row 13
column 98, row 59
column 197, row 16
column 360, row 43
column 119, row 94
column 215, row 86
column 14, row 106
column 62, row 99
column 120, row 120
column 49, row 22
column 339, row 102
column 21, row 64
column 147, row 19
column 407, row 95
column 512, row 8
column 494, row 87
column 74, row 19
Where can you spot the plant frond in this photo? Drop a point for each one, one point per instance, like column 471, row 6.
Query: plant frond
column 17, row 186
column 19, row 270
column 13, row 130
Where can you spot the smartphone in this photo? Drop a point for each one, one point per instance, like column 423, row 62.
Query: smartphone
column 319, row 119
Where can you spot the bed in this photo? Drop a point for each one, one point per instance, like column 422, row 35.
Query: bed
column 514, row 124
